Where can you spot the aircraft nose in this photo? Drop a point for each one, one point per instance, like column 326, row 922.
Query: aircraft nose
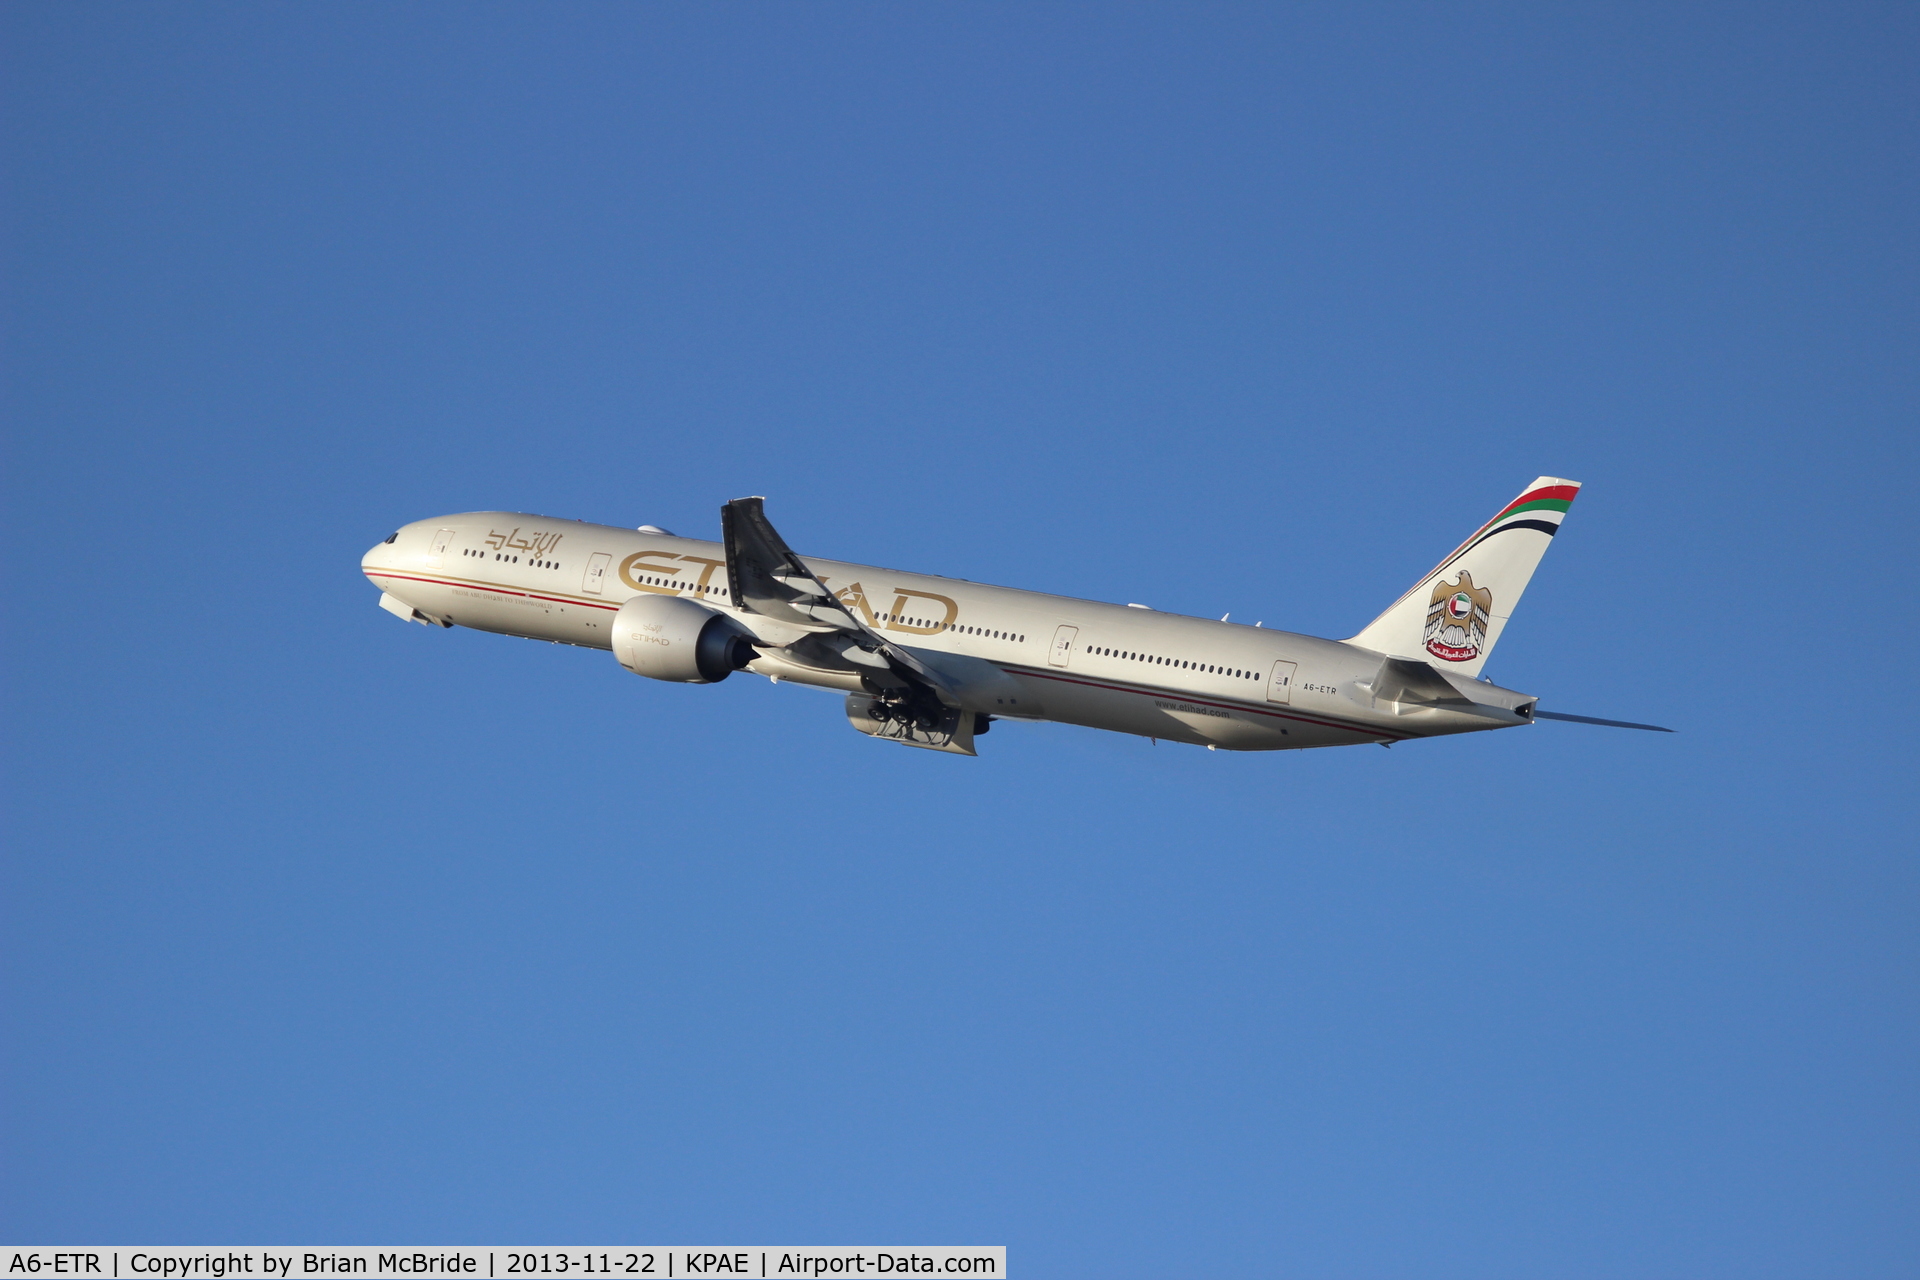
column 380, row 554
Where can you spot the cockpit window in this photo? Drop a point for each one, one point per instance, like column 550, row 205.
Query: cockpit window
column 394, row 536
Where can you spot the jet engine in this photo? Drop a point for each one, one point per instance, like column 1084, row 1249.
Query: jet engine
column 673, row 638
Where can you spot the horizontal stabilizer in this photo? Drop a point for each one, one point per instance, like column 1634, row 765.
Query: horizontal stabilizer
column 1404, row 680
column 1616, row 724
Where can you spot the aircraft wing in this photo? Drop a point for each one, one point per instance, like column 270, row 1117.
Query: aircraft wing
column 924, row 699
column 766, row 578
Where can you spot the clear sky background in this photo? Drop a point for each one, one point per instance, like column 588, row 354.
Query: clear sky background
column 320, row 928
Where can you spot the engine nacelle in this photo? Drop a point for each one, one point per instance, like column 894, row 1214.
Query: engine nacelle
column 673, row 638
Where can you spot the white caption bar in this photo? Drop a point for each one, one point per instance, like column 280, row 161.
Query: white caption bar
column 657, row 1262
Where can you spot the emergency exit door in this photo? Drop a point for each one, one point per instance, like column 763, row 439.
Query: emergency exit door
column 1280, row 684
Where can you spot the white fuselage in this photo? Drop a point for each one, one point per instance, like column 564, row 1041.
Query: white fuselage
column 1117, row 667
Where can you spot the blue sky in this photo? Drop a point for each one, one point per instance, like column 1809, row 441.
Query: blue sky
column 319, row 928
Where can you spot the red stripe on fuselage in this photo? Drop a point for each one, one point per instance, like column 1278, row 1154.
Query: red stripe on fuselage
column 504, row 591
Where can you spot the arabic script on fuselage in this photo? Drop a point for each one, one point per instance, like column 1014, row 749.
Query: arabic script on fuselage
column 535, row 546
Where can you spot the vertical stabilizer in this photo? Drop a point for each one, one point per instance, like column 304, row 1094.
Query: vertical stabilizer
column 1453, row 617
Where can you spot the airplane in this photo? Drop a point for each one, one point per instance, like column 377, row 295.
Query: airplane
column 934, row 662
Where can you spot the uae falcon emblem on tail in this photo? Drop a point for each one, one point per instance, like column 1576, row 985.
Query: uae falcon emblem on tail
column 1457, row 618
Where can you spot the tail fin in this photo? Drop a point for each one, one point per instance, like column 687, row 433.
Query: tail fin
column 1454, row 616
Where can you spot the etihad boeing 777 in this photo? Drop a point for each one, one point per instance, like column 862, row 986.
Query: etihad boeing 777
column 931, row 662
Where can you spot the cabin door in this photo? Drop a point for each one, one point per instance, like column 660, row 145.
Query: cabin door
column 1063, row 646
column 1280, row 685
column 596, row 579
column 442, row 539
